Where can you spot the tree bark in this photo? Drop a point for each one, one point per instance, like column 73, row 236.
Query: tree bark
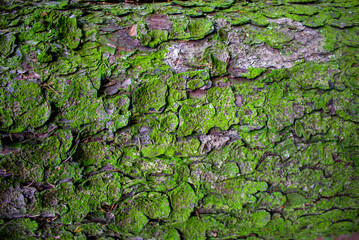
column 179, row 120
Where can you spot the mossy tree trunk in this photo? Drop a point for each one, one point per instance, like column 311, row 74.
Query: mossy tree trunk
column 179, row 120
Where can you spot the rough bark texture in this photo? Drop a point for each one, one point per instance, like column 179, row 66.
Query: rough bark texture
column 179, row 120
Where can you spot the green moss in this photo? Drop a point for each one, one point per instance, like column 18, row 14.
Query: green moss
column 215, row 202
column 65, row 171
column 343, row 131
column 92, row 195
column 104, row 189
column 172, row 234
column 191, row 80
column 316, row 75
column 201, row 3
column 311, row 125
column 183, row 200
column 303, row 10
column 186, row 154
column 260, row 219
column 174, row 98
column 45, row 56
column 200, row 28
column 237, row 19
column 271, row 201
column 160, row 166
column 197, row 80
column 117, row 109
column 195, row 119
column 316, row 224
column 111, row 112
column 155, row 206
column 78, row 115
column 249, row 159
column 229, row 170
column 193, row 12
column 285, row 108
column 218, row 66
column 19, row 229
column 157, row 37
column 118, row 10
column 252, row 119
column 344, row 103
column 196, row 228
column 274, row 35
column 75, row 210
column 259, row 20
column 275, row 12
column 245, row 224
column 70, row 35
column 300, row 1
column 179, row 27
column 131, row 221
column 150, row 97
column 154, row 150
column 238, row 193
column 7, row 44
column 296, row 200
column 168, row 123
column 348, row 18
column 97, row 155
column 350, row 37
column 317, row 154
column 317, row 20
column 218, row 113
column 185, row 148
column 26, row 106
column 223, row 101
column 145, row 63
column 91, row 229
column 253, row 72
column 279, row 226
